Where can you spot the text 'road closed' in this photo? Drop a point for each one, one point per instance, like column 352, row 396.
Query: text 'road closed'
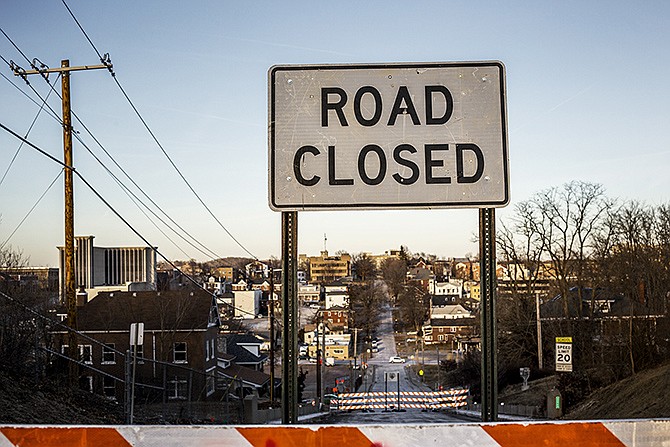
column 387, row 136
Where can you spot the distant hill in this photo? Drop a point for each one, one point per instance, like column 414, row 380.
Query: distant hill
column 238, row 263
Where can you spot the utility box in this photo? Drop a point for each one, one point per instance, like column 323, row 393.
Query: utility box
column 251, row 409
column 554, row 404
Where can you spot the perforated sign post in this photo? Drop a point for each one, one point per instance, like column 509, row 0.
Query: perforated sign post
column 388, row 136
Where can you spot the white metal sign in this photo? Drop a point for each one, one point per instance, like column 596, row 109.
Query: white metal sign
column 391, row 376
column 136, row 334
column 564, row 354
column 385, row 136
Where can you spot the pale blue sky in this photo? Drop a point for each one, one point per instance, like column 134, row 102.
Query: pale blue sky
column 587, row 92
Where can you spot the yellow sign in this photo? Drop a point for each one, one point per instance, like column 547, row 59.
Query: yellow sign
column 421, row 372
column 563, row 339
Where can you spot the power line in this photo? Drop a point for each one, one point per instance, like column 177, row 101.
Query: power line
column 212, row 255
column 105, row 60
column 31, row 210
column 113, row 210
column 11, row 163
column 9, row 64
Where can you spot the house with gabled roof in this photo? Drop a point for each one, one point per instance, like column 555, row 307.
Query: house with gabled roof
column 447, row 306
column 449, row 330
column 238, row 379
column 246, row 349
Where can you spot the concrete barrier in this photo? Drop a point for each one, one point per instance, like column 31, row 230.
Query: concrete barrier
column 636, row 433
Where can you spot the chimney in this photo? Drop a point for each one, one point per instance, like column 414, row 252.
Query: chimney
column 82, row 296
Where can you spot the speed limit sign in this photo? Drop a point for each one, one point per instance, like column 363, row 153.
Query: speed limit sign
column 563, row 354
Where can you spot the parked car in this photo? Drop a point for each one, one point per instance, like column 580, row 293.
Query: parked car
column 396, row 359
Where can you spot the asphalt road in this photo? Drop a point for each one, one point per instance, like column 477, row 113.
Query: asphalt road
column 374, row 380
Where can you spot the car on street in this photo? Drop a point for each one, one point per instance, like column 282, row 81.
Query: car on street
column 396, row 359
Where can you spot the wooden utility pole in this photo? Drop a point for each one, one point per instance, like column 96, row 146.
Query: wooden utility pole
column 70, row 286
column 70, row 297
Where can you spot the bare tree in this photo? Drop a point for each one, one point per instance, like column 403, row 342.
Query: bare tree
column 366, row 302
column 22, row 333
column 394, row 273
column 521, row 250
column 564, row 221
column 414, row 305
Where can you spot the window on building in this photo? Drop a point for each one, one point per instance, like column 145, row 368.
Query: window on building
column 211, row 384
column 179, row 351
column 440, row 337
column 108, row 354
column 86, row 383
column 109, row 387
column 177, row 388
column 86, row 354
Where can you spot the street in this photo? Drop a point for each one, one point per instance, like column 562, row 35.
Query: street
column 378, row 366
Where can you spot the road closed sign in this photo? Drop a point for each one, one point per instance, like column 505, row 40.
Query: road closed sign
column 384, row 136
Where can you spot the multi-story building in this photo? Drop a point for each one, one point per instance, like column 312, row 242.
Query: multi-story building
column 326, row 268
column 100, row 269
column 455, row 331
column 227, row 274
column 337, row 346
column 309, row 294
column 451, row 287
column 177, row 350
column 336, row 296
column 336, row 317
column 31, row 278
column 247, row 303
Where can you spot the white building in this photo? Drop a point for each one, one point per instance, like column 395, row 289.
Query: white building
column 309, row 293
column 451, row 287
column 337, row 299
column 247, row 303
column 449, row 311
column 100, row 269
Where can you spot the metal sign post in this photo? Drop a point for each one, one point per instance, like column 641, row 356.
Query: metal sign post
column 289, row 389
column 487, row 279
column 388, row 136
